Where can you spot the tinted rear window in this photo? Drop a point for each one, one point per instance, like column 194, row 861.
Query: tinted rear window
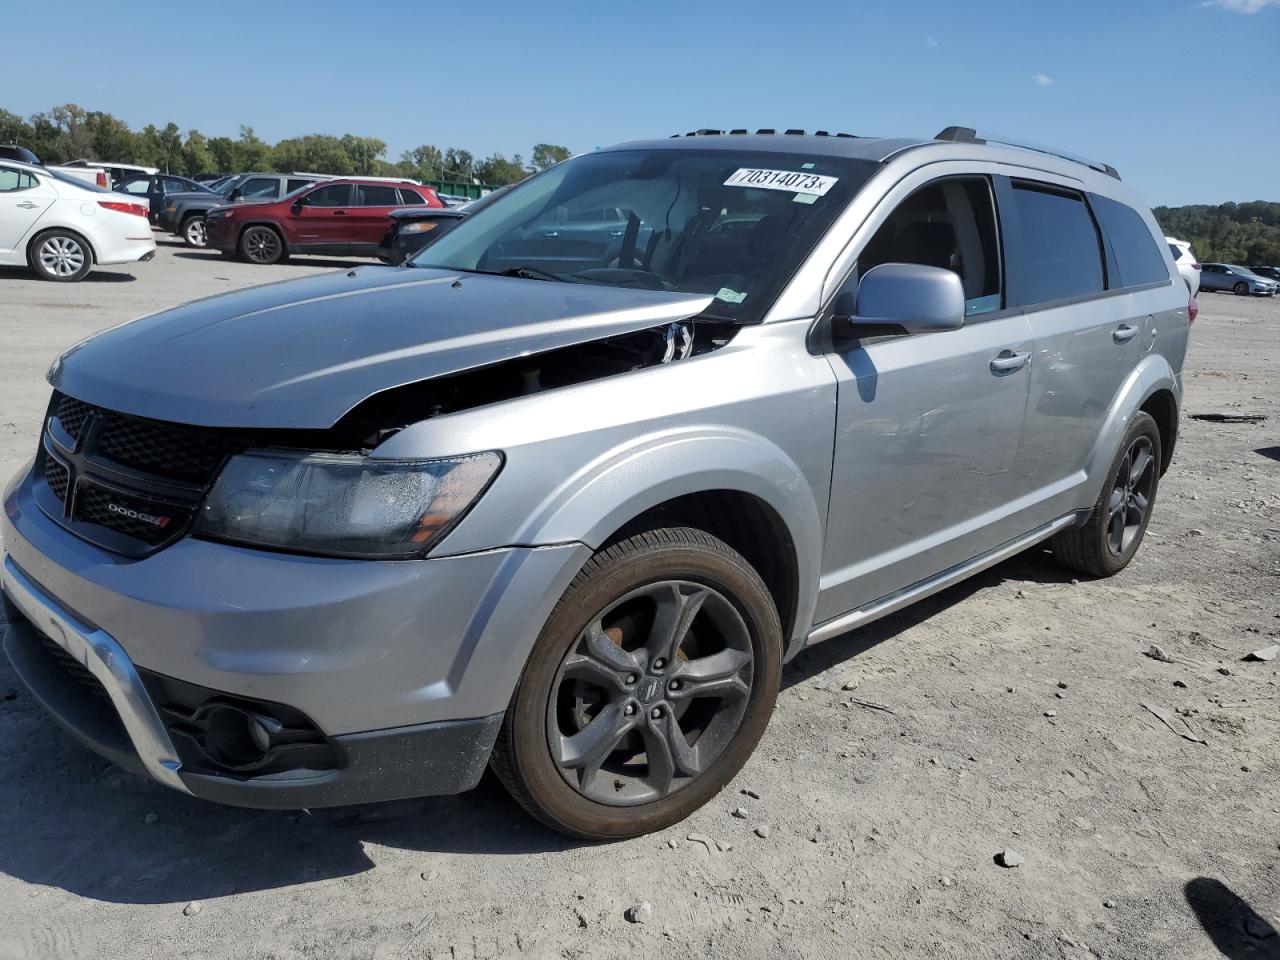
column 1061, row 252
column 410, row 199
column 1138, row 259
column 368, row 195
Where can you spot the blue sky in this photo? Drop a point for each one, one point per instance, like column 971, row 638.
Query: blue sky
column 1180, row 95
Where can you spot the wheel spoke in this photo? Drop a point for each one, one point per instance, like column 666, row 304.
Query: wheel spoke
column 667, row 752
column 1115, row 532
column 721, row 675
column 676, row 613
column 590, row 747
column 1138, row 506
column 1116, row 503
column 601, row 661
column 1138, row 467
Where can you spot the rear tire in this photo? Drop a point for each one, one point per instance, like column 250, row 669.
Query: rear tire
column 1111, row 536
column 61, row 256
column 193, row 232
column 599, row 664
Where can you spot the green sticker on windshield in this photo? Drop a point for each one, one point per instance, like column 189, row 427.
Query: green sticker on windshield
column 804, row 198
column 730, row 296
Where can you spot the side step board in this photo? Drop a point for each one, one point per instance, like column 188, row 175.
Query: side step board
column 918, row 591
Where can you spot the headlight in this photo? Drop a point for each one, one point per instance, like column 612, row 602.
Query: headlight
column 342, row 505
column 421, row 226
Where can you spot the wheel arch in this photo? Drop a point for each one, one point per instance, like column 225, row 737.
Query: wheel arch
column 1152, row 387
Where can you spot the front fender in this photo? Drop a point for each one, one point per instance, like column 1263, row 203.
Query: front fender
column 1152, row 374
column 601, row 496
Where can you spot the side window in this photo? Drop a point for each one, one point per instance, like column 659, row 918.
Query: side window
column 11, row 181
column 1061, row 250
column 260, row 187
column 949, row 224
column 370, row 195
column 1175, row 251
column 410, row 198
column 137, row 186
column 335, row 195
column 173, row 185
column 292, row 185
column 1138, row 259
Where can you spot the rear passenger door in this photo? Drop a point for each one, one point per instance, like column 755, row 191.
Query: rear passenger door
column 370, row 218
column 1088, row 334
column 927, row 426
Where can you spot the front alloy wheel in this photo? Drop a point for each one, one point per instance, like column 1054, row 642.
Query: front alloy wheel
column 261, row 245
column 193, row 232
column 646, row 691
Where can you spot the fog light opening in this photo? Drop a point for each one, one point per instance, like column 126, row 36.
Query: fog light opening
column 234, row 737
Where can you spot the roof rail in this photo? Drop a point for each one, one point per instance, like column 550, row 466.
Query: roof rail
column 766, row 131
column 970, row 135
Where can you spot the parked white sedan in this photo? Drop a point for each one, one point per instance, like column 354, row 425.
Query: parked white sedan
column 61, row 227
column 1185, row 260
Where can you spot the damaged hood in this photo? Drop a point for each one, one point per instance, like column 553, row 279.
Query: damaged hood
column 301, row 353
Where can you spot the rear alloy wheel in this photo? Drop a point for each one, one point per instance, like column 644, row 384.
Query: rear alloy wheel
column 261, row 245
column 1241, row 288
column 650, row 685
column 1111, row 536
column 193, row 232
column 61, row 256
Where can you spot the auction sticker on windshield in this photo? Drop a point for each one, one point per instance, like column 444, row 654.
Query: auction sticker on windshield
column 788, row 180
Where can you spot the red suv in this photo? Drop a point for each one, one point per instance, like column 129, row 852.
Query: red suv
column 344, row 217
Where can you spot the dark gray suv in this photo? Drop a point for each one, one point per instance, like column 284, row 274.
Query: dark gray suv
column 566, row 504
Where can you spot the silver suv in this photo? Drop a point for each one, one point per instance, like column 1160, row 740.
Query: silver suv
column 564, row 502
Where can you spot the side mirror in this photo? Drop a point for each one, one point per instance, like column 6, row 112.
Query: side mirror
column 299, row 203
column 909, row 296
column 234, row 195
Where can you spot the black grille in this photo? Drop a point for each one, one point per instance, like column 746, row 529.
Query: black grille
column 74, row 669
column 72, row 414
column 57, row 477
column 129, row 484
column 183, row 453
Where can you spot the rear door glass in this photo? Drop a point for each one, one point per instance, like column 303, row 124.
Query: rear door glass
column 1138, row 259
column 1061, row 250
column 335, row 195
column 370, row 195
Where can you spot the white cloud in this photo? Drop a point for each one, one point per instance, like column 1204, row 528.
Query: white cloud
column 931, row 42
column 1241, row 6
column 1041, row 79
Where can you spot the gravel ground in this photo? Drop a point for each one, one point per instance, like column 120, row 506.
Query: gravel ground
column 1010, row 713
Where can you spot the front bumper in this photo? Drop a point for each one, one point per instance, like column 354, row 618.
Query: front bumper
column 404, row 667
column 221, row 233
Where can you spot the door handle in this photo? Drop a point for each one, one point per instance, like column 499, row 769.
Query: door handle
column 28, row 205
column 616, row 233
column 551, row 234
column 1124, row 333
column 339, row 213
column 1008, row 361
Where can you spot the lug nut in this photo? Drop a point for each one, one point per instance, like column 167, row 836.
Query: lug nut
column 631, row 678
column 629, row 709
column 657, row 713
column 674, row 684
column 659, row 664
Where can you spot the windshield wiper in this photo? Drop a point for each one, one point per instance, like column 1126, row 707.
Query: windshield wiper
column 530, row 273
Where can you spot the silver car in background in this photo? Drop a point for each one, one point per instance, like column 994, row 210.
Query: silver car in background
column 563, row 494
column 1239, row 280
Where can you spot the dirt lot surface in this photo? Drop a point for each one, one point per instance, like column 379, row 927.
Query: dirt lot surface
column 1014, row 712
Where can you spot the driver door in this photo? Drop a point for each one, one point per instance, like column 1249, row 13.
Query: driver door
column 927, row 430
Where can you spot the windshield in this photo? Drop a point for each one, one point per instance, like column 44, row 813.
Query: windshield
column 226, row 186
column 733, row 224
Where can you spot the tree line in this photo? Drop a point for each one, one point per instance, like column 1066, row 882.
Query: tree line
column 1241, row 233
column 69, row 132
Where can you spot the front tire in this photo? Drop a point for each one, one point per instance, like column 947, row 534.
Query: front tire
column 193, row 232
column 261, row 245
column 1111, row 536
column 1241, row 289
column 647, row 690
column 61, row 256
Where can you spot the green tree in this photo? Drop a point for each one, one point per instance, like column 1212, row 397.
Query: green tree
column 196, row 156
column 426, row 162
column 547, row 155
column 111, row 138
column 500, row 171
column 459, row 165
column 13, row 129
column 252, row 152
column 366, row 153
column 315, row 153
